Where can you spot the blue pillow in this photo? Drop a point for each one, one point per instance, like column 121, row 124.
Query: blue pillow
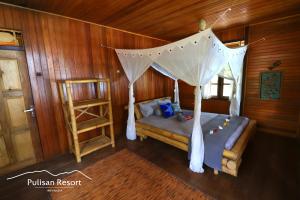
column 167, row 110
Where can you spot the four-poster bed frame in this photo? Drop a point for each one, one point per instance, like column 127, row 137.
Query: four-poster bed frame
column 194, row 60
column 231, row 158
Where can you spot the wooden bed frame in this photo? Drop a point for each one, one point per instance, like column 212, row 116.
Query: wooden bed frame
column 231, row 158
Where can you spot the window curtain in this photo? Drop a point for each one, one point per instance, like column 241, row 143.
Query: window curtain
column 195, row 60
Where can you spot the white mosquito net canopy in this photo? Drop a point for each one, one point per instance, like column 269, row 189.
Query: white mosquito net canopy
column 194, row 60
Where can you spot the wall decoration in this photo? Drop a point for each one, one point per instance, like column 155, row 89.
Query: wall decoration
column 277, row 63
column 11, row 40
column 270, row 85
column 8, row 38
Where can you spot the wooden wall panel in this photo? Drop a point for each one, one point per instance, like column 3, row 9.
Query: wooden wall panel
column 232, row 34
column 61, row 48
column 275, row 116
column 186, row 95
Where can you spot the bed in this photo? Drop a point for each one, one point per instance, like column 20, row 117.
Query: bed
column 231, row 158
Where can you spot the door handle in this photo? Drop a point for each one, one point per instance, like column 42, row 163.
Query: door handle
column 31, row 109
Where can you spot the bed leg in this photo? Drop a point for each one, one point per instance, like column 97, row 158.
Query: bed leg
column 216, row 172
column 143, row 137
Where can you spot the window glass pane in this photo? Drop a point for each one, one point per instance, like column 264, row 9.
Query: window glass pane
column 227, row 90
column 214, row 79
column 227, row 87
column 242, row 43
column 228, row 81
column 214, row 90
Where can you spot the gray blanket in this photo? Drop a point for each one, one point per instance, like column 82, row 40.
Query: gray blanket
column 214, row 143
column 172, row 124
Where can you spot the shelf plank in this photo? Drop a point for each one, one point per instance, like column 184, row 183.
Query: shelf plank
column 94, row 144
column 89, row 103
column 92, row 124
column 78, row 81
column 13, row 48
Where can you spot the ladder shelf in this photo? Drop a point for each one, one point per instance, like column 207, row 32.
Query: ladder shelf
column 97, row 118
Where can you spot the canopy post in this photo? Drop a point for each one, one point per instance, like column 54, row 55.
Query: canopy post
column 176, row 92
column 130, row 130
column 197, row 144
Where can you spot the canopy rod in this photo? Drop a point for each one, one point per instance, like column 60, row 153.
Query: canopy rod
column 221, row 16
column 233, row 3
column 261, row 39
column 250, row 44
column 108, row 47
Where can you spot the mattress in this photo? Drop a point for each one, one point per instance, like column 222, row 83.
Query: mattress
column 185, row 128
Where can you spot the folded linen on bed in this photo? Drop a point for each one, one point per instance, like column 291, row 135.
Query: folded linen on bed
column 236, row 134
column 214, row 144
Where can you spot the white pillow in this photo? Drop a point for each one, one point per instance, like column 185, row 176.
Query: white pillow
column 147, row 109
column 164, row 101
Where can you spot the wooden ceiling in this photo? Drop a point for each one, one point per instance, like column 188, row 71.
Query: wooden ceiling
column 165, row 19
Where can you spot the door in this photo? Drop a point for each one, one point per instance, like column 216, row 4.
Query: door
column 19, row 138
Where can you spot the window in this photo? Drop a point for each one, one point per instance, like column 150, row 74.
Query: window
column 227, row 87
column 214, row 86
column 10, row 38
column 220, row 87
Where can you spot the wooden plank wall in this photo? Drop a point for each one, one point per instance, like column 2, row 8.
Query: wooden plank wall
column 275, row 116
column 62, row 48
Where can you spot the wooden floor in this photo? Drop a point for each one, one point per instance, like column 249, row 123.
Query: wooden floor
column 270, row 170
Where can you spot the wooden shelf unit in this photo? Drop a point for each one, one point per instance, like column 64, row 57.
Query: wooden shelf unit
column 101, row 120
